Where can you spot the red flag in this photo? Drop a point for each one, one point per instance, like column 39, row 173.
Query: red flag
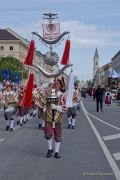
column 29, row 58
column 27, row 97
column 65, row 58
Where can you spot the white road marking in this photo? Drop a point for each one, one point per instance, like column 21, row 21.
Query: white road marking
column 117, row 156
column 111, row 137
column 103, row 121
column 1, row 140
column 103, row 146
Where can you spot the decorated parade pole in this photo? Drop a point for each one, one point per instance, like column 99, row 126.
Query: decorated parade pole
column 51, row 37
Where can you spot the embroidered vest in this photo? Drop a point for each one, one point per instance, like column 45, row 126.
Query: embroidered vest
column 48, row 113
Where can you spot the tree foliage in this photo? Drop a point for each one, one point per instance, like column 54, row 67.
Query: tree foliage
column 14, row 65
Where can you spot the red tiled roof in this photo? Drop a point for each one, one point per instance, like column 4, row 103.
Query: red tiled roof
column 5, row 35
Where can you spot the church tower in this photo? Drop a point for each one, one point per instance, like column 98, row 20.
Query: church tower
column 96, row 62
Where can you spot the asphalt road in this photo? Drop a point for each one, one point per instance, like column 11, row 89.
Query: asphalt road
column 23, row 151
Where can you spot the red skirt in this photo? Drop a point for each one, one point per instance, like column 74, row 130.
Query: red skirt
column 107, row 100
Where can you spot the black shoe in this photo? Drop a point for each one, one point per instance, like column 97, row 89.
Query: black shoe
column 42, row 128
column 49, row 153
column 27, row 120
column 69, row 126
column 34, row 115
column 21, row 124
column 31, row 114
column 11, row 129
column 24, row 122
column 39, row 126
column 57, row 156
column 18, row 122
column 7, row 128
column 73, row 127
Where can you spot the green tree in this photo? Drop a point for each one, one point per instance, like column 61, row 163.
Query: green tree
column 14, row 65
column 90, row 83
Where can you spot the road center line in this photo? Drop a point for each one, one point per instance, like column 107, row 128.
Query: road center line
column 103, row 146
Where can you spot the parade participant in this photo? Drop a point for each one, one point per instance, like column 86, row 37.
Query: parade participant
column 72, row 111
column 40, row 102
column 1, row 99
column 20, row 109
column 108, row 97
column 9, row 101
column 1, row 86
column 27, row 96
column 54, row 112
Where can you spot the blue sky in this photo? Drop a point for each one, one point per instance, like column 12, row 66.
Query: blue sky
column 92, row 24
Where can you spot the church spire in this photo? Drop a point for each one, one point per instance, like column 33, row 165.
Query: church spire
column 96, row 54
column 96, row 62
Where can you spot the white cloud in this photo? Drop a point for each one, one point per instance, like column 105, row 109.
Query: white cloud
column 84, row 35
column 81, row 35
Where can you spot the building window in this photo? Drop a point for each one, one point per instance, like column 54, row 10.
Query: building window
column 1, row 48
column 11, row 48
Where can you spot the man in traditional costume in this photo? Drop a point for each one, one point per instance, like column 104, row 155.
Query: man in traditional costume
column 22, row 112
column 54, row 103
column 9, row 101
column 53, row 118
column 72, row 111
column 72, row 101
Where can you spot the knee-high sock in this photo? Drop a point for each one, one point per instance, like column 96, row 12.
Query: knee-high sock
column 43, row 123
column 24, row 119
column 73, row 122
column 40, row 121
column 57, row 146
column 49, row 144
column 31, row 110
column 21, row 120
column 34, row 111
column 27, row 115
column 7, row 122
column 11, row 123
column 69, row 120
column 18, row 119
